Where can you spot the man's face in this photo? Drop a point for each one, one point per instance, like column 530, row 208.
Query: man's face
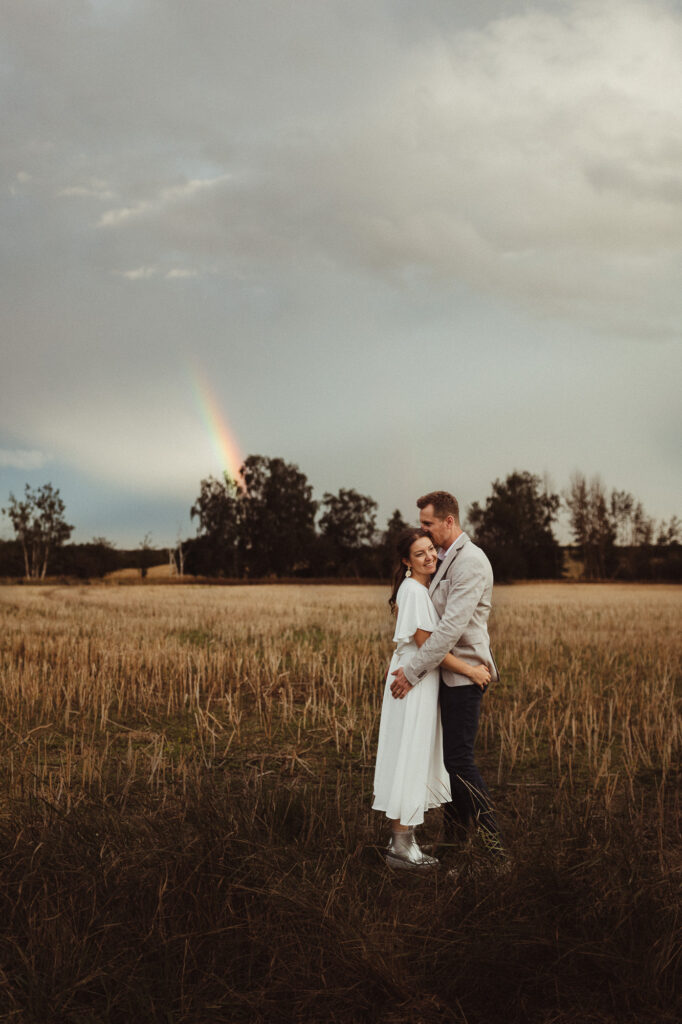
column 438, row 529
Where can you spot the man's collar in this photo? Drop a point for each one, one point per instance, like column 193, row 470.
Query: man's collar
column 443, row 554
column 448, row 558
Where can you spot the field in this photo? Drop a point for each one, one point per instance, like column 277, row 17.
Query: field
column 186, row 832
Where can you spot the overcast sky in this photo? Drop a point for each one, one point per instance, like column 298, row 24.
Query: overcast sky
column 410, row 244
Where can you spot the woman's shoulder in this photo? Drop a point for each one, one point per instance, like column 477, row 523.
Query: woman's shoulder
column 415, row 610
column 410, row 586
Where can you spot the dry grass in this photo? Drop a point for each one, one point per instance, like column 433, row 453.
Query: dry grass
column 186, row 829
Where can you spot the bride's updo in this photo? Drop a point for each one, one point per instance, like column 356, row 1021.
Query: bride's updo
column 404, row 542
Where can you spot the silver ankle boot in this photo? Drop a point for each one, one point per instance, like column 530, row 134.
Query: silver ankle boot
column 403, row 852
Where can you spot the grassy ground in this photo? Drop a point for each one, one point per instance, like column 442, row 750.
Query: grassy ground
column 186, row 833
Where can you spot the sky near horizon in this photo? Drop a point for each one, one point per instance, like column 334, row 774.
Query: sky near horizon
column 405, row 245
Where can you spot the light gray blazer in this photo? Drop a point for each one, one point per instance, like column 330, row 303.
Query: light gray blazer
column 461, row 592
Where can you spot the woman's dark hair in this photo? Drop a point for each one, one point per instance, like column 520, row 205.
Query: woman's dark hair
column 403, row 543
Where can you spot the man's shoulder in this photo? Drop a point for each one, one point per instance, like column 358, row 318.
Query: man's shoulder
column 470, row 558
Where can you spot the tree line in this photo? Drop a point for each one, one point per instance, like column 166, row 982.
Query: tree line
column 267, row 524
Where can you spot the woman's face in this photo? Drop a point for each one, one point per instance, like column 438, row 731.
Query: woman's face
column 423, row 558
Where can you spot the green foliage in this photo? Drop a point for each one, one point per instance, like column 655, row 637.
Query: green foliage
column 387, row 551
column 11, row 558
column 39, row 526
column 515, row 528
column 88, row 561
column 278, row 516
column 349, row 519
column 594, row 523
column 263, row 527
column 217, row 550
column 615, row 537
column 348, row 527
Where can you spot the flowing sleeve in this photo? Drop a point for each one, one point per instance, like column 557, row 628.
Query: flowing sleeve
column 415, row 611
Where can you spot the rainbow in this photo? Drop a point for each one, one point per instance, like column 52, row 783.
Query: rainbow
column 223, row 440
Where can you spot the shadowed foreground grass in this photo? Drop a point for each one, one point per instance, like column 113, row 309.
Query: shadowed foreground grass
column 186, row 833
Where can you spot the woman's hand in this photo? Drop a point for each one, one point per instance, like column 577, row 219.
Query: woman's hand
column 480, row 674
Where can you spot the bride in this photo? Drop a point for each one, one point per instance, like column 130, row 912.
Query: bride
column 410, row 777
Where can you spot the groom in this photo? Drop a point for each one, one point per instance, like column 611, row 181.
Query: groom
column 461, row 591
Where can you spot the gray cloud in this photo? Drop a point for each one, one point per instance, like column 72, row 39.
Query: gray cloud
column 537, row 158
column 291, row 195
column 18, row 458
column 538, row 155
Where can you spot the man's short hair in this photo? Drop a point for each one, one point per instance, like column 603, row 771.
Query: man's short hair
column 444, row 504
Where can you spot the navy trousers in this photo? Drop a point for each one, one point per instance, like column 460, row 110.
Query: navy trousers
column 460, row 709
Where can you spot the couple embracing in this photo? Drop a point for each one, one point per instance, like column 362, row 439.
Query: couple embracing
column 440, row 670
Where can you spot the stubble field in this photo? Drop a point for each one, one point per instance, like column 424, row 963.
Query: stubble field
column 186, row 832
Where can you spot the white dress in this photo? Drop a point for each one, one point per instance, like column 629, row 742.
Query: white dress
column 410, row 777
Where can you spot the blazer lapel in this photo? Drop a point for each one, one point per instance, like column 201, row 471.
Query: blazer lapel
column 448, row 560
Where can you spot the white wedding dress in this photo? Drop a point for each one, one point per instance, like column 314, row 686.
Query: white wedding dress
column 410, row 777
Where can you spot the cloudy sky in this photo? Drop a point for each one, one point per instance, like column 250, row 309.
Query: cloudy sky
column 404, row 244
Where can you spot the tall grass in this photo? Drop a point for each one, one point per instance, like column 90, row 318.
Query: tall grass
column 186, row 833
